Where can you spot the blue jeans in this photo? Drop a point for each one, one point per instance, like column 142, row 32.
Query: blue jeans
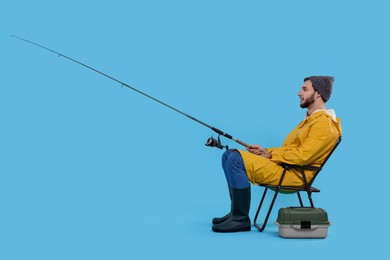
column 234, row 168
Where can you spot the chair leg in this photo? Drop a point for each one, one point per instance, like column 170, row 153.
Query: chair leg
column 310, row 199
column 269, row 210
column 258, row 209
column 300, row 199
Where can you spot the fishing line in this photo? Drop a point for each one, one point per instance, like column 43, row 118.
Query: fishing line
column 210, row 142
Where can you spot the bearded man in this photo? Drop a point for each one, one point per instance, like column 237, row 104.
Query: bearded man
column 308, row 144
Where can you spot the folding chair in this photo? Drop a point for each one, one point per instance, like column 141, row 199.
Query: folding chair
column 308, row 188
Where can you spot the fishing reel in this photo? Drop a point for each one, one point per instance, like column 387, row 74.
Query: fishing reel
column 212, row 142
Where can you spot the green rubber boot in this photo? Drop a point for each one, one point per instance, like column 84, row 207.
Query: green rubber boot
column 239, row 219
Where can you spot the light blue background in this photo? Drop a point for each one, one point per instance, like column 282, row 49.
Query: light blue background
column 90, row 170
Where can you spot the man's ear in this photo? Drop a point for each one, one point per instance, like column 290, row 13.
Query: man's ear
column 317, row 95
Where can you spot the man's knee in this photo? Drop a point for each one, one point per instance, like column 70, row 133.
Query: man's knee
column 226, row 154
column 236, row 171
column 235, row 156
column 225, row 157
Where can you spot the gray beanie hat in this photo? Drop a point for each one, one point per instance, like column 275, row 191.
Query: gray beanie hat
column 322, row 84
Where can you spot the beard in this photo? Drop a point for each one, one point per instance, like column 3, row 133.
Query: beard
column 308, row 102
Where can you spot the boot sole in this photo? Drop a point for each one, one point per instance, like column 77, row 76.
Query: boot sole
column 240, row 229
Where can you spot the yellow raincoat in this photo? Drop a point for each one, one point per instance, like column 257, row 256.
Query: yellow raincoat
column 308, row 144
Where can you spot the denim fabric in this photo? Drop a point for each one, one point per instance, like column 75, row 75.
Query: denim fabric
column 234, row 169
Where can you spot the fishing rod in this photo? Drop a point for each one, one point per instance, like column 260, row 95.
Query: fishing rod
column 212, row 142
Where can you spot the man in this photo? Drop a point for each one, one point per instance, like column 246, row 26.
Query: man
column 308, row 144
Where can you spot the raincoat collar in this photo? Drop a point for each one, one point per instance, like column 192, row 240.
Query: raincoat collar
column 330, row 112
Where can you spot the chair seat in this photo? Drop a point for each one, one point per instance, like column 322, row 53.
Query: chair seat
column 290, row 188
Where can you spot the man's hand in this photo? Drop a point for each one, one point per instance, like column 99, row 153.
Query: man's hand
column 258, row 150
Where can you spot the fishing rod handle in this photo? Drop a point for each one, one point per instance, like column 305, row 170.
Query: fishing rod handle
column 241, row 142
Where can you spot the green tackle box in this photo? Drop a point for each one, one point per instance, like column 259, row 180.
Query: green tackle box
column 302, row 222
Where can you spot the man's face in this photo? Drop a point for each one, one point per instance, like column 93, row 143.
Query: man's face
column 307, row 94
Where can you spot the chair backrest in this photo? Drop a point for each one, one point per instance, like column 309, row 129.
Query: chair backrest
column 322, row 165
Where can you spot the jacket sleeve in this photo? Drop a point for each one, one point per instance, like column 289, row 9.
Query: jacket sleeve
column 312, row 147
